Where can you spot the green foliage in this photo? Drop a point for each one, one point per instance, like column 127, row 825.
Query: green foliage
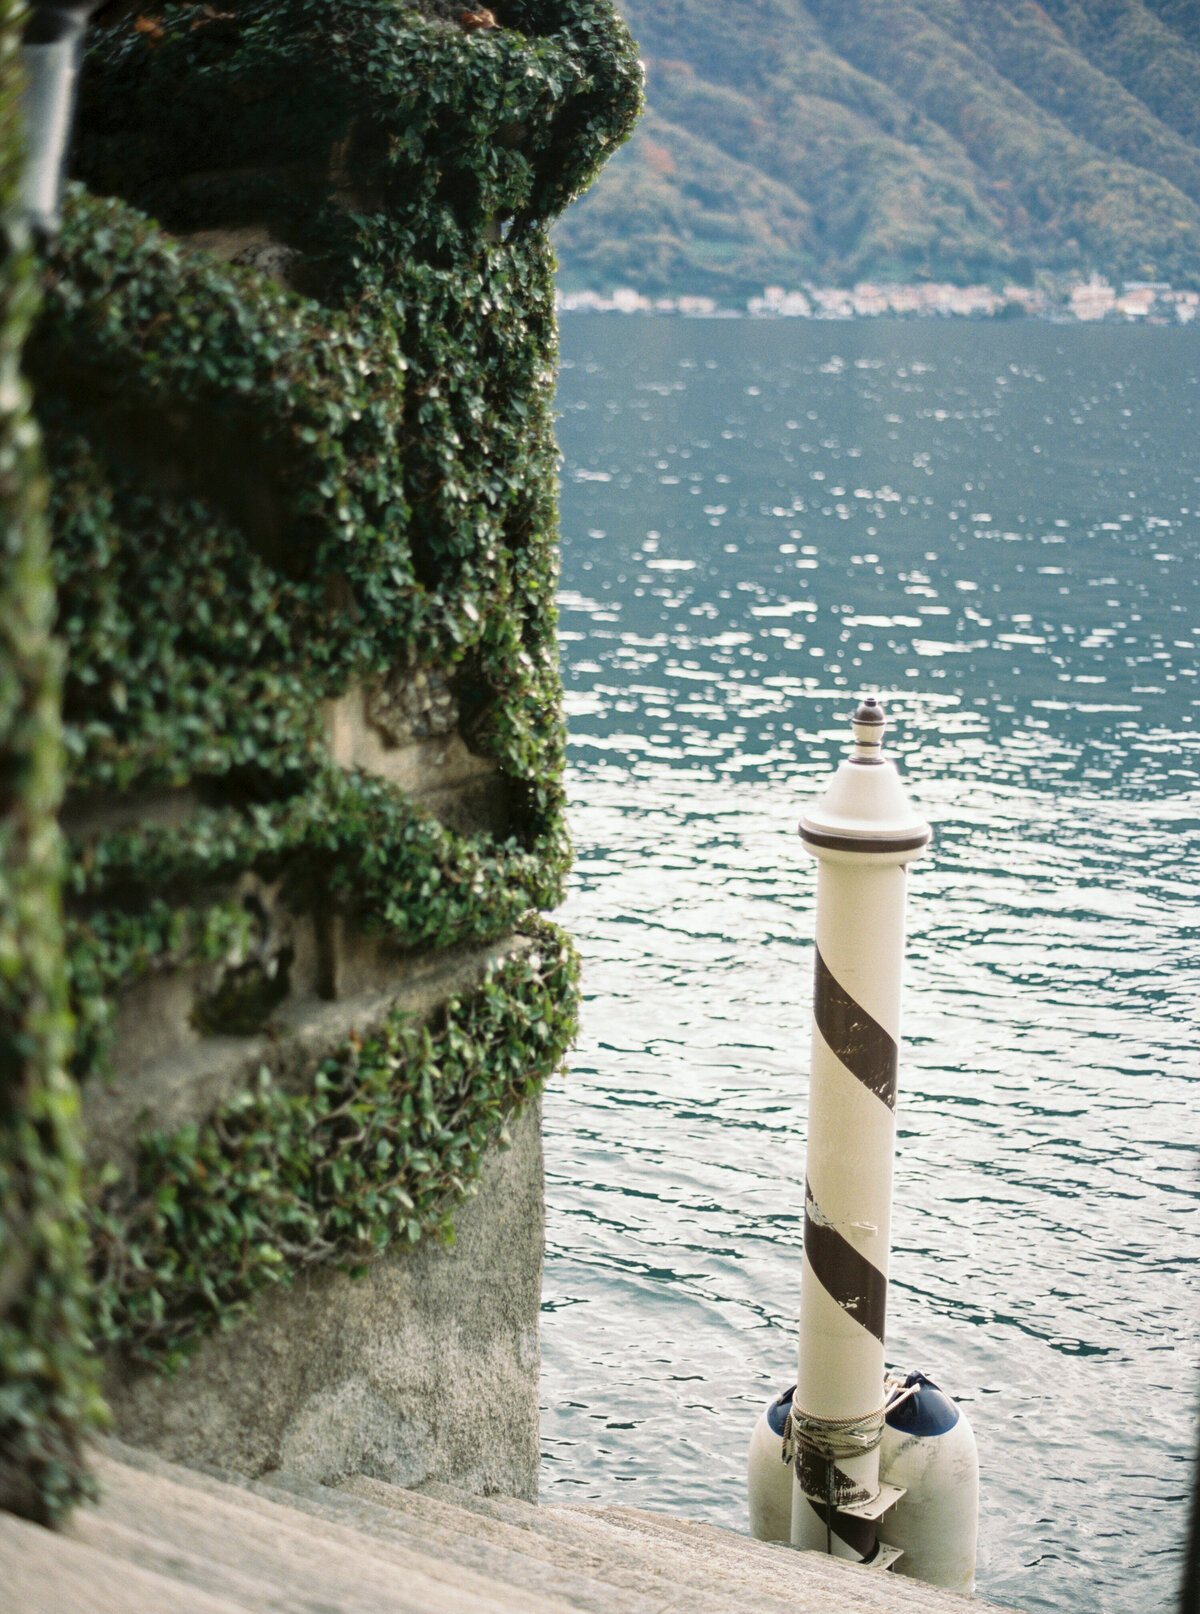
column 205, row 634
column 432, row 136
column 313, row 449
column 686, row 202
column 391, row 1134
column 48, row 1396
column 265, row 495
column 1150, row 49
column 909, row 140
column 263, row 498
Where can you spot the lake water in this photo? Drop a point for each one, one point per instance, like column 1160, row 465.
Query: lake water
column 995, row 528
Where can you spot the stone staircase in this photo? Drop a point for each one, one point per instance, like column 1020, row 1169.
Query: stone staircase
column 172, row 1540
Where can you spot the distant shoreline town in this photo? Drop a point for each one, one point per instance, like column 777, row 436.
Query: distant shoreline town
column 1143, row 302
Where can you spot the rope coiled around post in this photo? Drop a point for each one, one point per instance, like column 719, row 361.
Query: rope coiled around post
column 832, row 1438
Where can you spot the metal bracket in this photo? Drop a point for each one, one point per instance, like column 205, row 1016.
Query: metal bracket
column 885, row 1556
column 875, row 1506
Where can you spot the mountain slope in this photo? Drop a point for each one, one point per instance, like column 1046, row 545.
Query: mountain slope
column 901, row 139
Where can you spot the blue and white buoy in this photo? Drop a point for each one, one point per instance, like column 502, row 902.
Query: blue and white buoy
column 927, row 1452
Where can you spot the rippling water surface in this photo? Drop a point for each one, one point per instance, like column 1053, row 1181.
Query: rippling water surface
column 996, row 528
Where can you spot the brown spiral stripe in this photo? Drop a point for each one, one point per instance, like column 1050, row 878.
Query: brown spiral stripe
column 856, row 1533
column 868, row 1052
column 859, row 1041
column 855, row 1283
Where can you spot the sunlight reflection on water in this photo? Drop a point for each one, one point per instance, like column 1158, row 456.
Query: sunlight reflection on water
column 987, row 526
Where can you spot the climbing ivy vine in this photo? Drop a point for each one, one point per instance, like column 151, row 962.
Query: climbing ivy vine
column 390, row 1135
column 48, row 1390
column 294, row 366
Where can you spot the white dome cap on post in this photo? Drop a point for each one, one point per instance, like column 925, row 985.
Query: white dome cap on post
column 865, row 813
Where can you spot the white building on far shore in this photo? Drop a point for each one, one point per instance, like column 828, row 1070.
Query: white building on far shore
column 1093, row 299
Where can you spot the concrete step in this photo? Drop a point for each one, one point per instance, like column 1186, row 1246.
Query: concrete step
column 267, row 1555
column 45, row 1573
column 893, row 1591
column 761, row 1575
column 167, row 1538
column 670, row 1572
column 588, row 1580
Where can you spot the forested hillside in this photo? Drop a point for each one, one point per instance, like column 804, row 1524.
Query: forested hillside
column 901, row 139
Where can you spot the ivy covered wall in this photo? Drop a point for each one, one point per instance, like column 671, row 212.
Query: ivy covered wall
column 48, row 1393
column 294, row 369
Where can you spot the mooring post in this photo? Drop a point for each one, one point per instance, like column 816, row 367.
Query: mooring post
column 862, row 831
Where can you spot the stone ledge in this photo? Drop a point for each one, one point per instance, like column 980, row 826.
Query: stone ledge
column 86, row 817
column 405, row 730
column 187, row 1084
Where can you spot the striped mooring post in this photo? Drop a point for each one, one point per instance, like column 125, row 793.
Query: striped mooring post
column 862, row 831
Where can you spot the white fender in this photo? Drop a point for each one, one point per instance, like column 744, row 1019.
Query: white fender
column 929, row 1450
column 769, row 1478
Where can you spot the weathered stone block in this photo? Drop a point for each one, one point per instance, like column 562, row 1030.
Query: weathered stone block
column 425, row 1368
column 161, row 1090
column 405, row 732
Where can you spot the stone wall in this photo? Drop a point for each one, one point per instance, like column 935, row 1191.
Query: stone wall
column 424, row 1368
column 48, row 1396
column 294, row 370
